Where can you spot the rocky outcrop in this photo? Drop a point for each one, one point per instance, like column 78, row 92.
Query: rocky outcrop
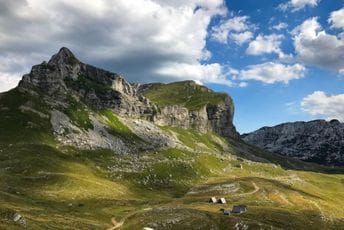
column 210, row 118
column 64, row 76
column 318, row 141
column 216, row 118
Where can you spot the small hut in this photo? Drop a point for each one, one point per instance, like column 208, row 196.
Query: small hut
column 227, row 212
column 239, row 208
column 213, row 200
column 222, row 200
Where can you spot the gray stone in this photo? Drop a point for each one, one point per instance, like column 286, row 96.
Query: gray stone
column 319, row 141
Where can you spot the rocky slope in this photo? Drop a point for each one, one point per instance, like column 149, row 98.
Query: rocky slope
column 79, row 94
column 318, row 141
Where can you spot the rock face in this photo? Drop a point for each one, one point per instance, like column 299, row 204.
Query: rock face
column 210, row 118
column 216, row 118
column 64, row 76
column 317, row 141
column 100, row 89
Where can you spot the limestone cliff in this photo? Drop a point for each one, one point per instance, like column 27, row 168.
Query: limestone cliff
column 188, row 105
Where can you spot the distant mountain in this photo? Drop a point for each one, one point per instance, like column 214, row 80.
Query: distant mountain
column 317, row 141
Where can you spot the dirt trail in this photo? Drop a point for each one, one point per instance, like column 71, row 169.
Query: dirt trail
column 322, row 214
column 256, row 189
column 117, row 225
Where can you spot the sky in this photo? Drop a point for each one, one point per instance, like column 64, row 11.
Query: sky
column 280, row 60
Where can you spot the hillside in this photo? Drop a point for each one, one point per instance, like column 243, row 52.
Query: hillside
column 317, row 141
column 81, row 148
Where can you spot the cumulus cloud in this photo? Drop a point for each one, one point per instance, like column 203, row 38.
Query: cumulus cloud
column 337, row 19
column 241, row 38
column 211, row 73
column 280, row 26
column 296, row 5
column 265, row 44
column 272, row 72
column 327, row 106
column 135, row 38
column 236, row 29
column 314, row 46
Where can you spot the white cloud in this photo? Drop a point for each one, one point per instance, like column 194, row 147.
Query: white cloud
column 210, row 73
column 241, row 38
column 135, row 38
column 337, row 19
column 314, row 46
column 243, row 84
column 296, row 5
column 280, row 26
column 8, row 81
column 321, row 104
column 272, row 72
column 236, row 28
column 265, row 44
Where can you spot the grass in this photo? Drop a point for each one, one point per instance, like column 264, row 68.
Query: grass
column 17, row 126
column 117, row 128
column 186, row 93
column 78, row 113
column 85, row 189
column 56, row 187
column 196, row 140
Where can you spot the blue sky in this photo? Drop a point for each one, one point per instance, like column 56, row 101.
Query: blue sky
column 281, row 60
column 261, row 104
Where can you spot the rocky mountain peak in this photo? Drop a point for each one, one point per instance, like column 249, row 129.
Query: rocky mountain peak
column 319, row 141
column 64, row 56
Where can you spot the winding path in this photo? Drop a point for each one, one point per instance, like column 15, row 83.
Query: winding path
column 117, row 225
column 256, row 189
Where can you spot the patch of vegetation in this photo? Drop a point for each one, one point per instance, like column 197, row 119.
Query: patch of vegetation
column 78, row 113
column 117, row 128
column 87, row 84
column 186, row 93
column 17, row 125
column 72, row 61
column 196, row 140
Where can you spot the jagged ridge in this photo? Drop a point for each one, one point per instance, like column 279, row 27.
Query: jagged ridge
column 317, row 141
column 65, row 75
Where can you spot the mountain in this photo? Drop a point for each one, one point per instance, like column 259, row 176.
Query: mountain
column 70, row 86
column 317, row 141
column 81, row 148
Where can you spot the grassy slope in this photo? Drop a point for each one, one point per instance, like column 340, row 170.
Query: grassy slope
column 188, row 94
column 62, row 187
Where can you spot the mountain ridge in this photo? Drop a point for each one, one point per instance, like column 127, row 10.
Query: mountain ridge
column 317, row 141
column 103, row 89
